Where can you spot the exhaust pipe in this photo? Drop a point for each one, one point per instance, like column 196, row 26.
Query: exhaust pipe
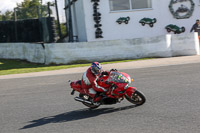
column 82, row 100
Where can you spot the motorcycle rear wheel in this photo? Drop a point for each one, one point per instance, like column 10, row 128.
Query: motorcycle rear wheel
column 137, row 98
column 86, row 97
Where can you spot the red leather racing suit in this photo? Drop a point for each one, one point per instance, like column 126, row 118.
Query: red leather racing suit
column 89, row 82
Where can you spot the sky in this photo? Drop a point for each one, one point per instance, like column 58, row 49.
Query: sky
column 10, row 4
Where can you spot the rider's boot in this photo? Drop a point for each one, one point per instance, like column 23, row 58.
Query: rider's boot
column 96, row 97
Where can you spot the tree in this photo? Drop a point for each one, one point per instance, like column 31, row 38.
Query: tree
column 8, row 15
column 63, row 29
column 30, row 9
column 26, row 10
column 0, row 16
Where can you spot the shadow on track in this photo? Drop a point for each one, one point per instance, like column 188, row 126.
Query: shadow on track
column 74, row 115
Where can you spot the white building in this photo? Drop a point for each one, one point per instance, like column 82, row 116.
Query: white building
column 84, row 24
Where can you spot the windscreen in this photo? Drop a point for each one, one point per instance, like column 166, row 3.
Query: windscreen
column 117, row 77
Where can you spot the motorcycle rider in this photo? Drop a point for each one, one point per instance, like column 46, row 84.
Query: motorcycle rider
column 89, row 81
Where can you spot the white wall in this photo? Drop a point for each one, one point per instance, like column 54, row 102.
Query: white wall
column 160, row 46
column 184, row 44
column 113, row 31
column 64, row 53
column 107, row 50
column 24, row 51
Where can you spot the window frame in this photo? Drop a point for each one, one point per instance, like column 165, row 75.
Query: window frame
column 131, row 8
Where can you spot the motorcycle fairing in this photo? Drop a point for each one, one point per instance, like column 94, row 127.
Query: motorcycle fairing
column 130, row 91
column 76, row 85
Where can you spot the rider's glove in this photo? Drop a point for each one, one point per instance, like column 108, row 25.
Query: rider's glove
column 104, row 73
column 113, row 70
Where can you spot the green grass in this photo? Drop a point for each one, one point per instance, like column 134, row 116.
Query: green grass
column 16, row 66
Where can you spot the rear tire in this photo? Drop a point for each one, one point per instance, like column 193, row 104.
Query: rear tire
column 86, row 97
column 137, row 98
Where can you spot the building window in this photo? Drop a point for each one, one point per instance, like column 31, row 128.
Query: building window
column 117, row 5
column 140, row 4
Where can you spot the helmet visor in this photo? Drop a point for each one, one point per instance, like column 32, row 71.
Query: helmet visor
column 96, row 71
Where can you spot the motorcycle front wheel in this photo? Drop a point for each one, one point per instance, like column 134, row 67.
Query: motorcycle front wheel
column 137, row 98
column 88, row 98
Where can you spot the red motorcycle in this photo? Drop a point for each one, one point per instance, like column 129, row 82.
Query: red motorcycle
column 117, row 84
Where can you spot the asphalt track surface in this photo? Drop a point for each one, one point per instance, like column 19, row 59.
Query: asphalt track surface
column 44, row 104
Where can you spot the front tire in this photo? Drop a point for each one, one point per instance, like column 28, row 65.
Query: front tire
column 137, row 98
column 86, row 97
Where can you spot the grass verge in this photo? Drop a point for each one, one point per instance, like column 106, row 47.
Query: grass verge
column 17, row 66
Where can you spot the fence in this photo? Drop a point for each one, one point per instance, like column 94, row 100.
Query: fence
column 29, row 30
